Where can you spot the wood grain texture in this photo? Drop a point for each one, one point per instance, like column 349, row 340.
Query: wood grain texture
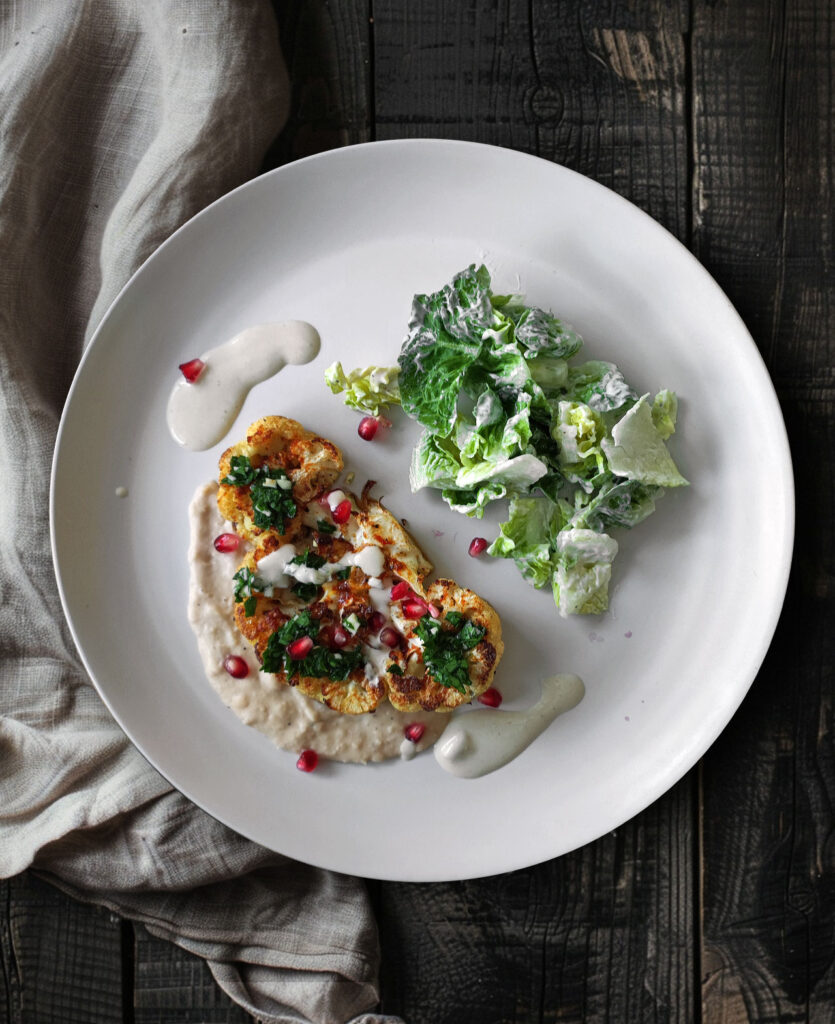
column 172, row 986
column 604, row 933
column 763, row 78
column 327, row 49
column 61, row 961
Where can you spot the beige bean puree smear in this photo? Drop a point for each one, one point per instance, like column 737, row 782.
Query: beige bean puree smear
column 291, row 720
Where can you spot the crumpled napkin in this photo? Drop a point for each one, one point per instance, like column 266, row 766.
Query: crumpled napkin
column 120, row 120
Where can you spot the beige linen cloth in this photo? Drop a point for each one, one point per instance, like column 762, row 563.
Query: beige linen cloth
column 120, row 120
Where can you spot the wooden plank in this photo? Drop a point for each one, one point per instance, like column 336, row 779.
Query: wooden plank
column 601, row 934
column 176, row 987
column 764, row 163
column 327, row 50
column 600, row 90
column 605, row 933
column 61, row 960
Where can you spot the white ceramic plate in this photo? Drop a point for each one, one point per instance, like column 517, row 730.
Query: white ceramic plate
column 343, row 240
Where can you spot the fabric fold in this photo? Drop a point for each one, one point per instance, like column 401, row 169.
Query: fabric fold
column 121, row 120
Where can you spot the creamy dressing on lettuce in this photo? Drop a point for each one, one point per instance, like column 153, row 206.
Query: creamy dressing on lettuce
column 291, row 720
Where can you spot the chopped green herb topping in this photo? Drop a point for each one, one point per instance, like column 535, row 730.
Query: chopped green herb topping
column 270, row 489
column 241, row 473
column 444, row 650
column 323, row 526
column 305, row 591
column 394, row 670
column 310, row 559
column 320, row 662
column 343, row 574
column 245, row 581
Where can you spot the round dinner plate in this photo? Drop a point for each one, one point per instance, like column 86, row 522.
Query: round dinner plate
column 344, row 239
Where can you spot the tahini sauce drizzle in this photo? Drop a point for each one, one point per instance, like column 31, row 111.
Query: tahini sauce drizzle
column 201, row 414
column 479, row 742
column 288, row 718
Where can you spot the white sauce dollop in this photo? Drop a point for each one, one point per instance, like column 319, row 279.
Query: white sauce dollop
column 200, row 414
column 271, row 568
column 478, row 743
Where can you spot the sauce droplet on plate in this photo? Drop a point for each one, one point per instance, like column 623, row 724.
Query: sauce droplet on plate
column 201, row 413
column 479, row 742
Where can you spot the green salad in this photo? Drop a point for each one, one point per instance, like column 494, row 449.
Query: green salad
column 510, row 410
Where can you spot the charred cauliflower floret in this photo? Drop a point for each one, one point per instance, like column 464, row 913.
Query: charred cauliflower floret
column 278, row 465
column 452, row 658
column 337, row 606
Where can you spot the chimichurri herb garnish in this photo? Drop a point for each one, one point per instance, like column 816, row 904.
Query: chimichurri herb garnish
column 270, row 489
column 310, row 559
column 307, row 591
column 245, row 581
column 445, row 650
column 323, row 526
column 320, row 662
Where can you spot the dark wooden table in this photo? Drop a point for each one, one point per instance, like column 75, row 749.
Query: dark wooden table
column 718, row 902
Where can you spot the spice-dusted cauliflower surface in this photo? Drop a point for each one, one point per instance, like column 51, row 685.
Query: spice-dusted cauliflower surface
column 333, row 596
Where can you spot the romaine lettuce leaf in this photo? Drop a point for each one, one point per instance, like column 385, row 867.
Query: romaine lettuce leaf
column 637, row 451
column 549, row 372
column 616, row 502
column 519, row 472
column 664, row 413
column 600, row 385
column 472, row 501
column 541, row 333
column 583, row 570
column 370, row 390
column 443, row 340
column 529, row 537
column 435, row 462
column 579, row 432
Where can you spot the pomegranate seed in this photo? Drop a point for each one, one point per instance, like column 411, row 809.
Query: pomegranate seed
column 477, row 545
column 300, row 648
column 434, row 611
column 341, row 636
column 414, row 731
column 368, row 428
column 414, row 608
column 390, row 637
column 227, row 542
column 400, row 590
column 308, row 759
column 376, row 622
column 492, row 698
column 342, row 512
column 192, row 369
column 236, row 666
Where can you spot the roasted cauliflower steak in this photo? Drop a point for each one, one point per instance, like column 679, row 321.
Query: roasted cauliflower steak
column 335, row 601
